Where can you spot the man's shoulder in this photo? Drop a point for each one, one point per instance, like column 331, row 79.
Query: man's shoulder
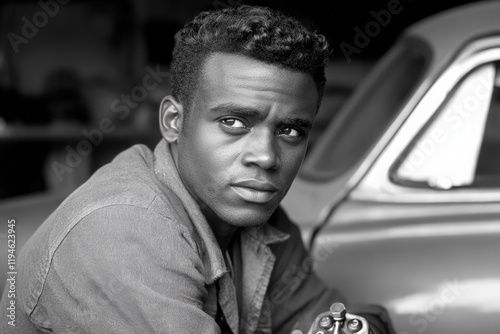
column 125, row 185
column 108, row 200
column 128, row 181
column 123, row 204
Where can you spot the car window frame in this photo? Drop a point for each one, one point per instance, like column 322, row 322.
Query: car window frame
column 378, row 183
column 438, row 118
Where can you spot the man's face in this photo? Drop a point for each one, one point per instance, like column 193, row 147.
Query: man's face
column 244, row 138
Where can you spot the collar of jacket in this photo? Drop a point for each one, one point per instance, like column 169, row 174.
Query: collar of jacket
column 215, row 267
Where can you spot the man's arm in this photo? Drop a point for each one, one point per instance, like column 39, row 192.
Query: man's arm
column 298, row 295
column 124, row 269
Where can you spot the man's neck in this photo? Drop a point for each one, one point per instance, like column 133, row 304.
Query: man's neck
column 223, row 232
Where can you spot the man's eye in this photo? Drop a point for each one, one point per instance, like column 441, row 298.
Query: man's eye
column 291, row 132
column 233, row 123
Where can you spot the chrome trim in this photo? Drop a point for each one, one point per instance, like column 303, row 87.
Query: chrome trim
column 426, row 231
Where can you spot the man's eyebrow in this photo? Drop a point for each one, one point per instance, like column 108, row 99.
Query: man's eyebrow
column 234, row 109
column 300, row 122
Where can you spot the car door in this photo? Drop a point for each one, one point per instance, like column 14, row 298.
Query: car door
column 420, row 231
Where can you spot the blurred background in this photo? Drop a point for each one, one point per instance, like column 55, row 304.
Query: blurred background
column 81, row 80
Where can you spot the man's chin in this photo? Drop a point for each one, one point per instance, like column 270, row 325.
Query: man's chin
column 246, row 217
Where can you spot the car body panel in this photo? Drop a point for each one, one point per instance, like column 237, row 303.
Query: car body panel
column 410, row 267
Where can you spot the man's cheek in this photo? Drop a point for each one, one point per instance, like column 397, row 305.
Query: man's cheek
column 292, row 159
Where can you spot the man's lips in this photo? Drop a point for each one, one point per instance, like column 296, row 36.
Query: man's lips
column 256, row 185
column 255, row 191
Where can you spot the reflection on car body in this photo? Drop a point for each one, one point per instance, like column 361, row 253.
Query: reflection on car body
column 406, row 183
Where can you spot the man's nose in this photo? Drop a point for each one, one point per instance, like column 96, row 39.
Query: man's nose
column 261, row 149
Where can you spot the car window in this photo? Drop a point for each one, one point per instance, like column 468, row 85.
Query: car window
column 359, row 126
column 461, row 144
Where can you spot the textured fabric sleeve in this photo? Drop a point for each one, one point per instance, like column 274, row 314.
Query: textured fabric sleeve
column 124, row 269
column 297, row 296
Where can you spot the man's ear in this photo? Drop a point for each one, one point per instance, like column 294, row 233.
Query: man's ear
column 171, row 115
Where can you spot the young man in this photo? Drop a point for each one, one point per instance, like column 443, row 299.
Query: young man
column 190, row 238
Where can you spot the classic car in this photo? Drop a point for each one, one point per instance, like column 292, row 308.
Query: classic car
column 399, row 200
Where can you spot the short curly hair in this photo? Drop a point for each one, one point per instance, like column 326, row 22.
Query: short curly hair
column 257, row 32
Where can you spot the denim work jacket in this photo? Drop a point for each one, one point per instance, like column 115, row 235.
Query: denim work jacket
column 130, row 252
